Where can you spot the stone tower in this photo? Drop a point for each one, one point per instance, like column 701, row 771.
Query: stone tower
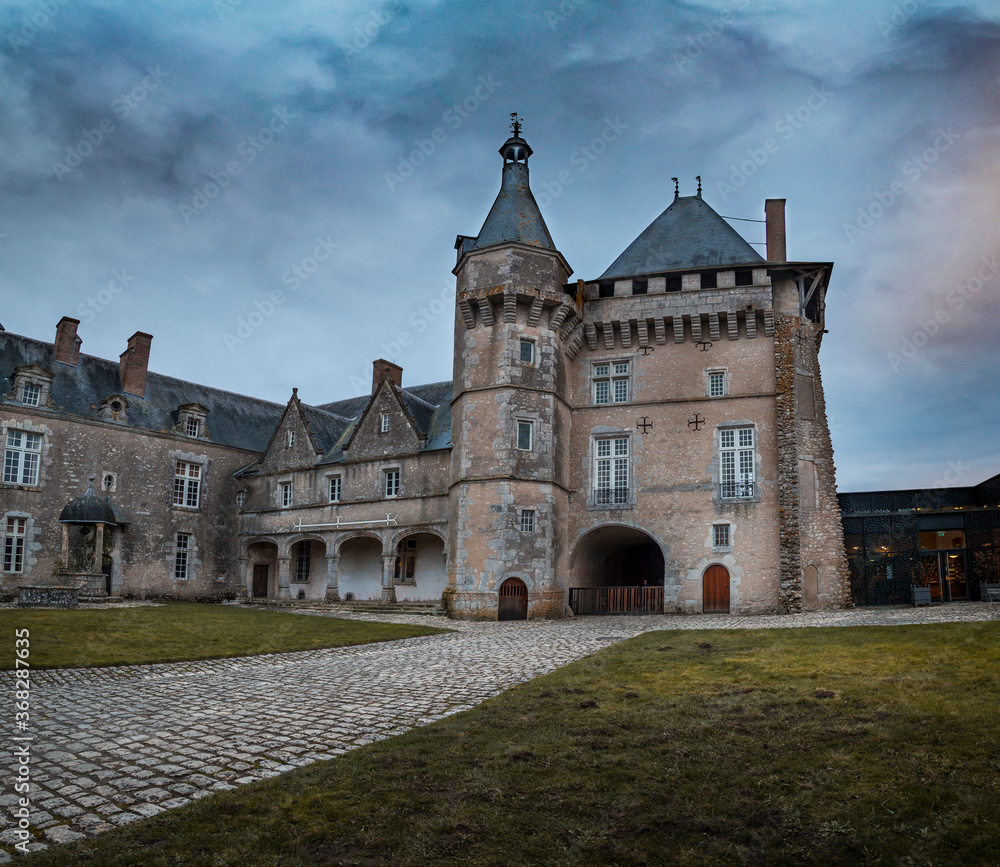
column 514, row 326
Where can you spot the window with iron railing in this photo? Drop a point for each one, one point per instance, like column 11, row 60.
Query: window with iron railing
column 736, row 464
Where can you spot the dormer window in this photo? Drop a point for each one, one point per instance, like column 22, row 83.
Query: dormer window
column 30, row 394
column 191, row 420
column 192, row 427
column 114, row 408
column 31, row 385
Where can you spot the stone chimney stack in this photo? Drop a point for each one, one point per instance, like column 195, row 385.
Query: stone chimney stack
column 134, row 363
column 774, row 213
column 383, row 369
column 67, row 343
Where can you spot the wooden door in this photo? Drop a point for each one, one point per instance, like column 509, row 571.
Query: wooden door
column 260, row 574
column 513, row 600
column 715, row 589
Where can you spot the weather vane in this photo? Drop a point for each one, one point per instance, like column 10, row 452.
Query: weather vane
column 515, row 124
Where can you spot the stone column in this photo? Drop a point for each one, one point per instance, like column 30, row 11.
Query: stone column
column 388, row 574
column 246, row 571
column 65, row 547
column 98, row 547
column 332, row 593
column 283, row 589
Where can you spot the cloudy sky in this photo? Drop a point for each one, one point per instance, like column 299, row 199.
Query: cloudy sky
column 273, row 189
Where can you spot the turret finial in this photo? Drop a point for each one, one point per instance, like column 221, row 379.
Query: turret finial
column 515, row 124
column 698, row 179
column 677, row 188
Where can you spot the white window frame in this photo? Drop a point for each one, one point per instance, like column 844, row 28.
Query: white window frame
column 610, row 382
column 192, row 427
column 737, row 469
column 391, row 483
column 22, row 457
column 31, row 394
column 241, row 499
column 717, row 383
column 530, row 346
column 187, row 484
column 527, row 520
column 286, row 494
column 384, row 422
column 524, row 425
column 722, row 536
column 303, row 561
column 15, row 532
column 612, row 471
column 182, row 557
column 289, row 439
column 335, row 488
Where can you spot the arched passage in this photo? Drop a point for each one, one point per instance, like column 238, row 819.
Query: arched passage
column 512, row 602
column 360, row 569
column 616, row 570
column 262, row 560
column 419, row 570
column 307, row 568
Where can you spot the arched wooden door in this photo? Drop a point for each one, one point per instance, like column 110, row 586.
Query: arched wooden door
column 715, row 590
column 513, row 600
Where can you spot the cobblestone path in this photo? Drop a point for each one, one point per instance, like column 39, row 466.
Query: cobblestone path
column 114, row 745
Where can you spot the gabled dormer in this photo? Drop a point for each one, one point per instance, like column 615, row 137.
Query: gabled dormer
column 30, row 385
column 114, row 408
column 292, row 445
column 387, row 427
column 192, row 420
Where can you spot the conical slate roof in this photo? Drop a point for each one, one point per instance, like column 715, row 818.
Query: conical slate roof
column 88, row 509
column 688, row 234
column 514, row 215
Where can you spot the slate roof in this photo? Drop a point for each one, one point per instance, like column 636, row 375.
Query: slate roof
column 688, row 234
column 514, row 216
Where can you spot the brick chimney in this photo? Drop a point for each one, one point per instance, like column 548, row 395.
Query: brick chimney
column 383, row 369
column 134, row 363
column 774, row 214
column 67, row 343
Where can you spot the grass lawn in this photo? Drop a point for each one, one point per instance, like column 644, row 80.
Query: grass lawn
column 875, row 745
column 180, row 631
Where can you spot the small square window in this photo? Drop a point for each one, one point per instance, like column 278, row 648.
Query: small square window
column 289, row 439
column 744, row 278
column 720, row 536
column 709, row 280
column 286, row 494
column 191, row 427
column 335, row 489
column 31, row 394
column 716, row 384
column 525, row 435
column 392, row 483
column 527, row 520
column 528, row 351
column 384, row 422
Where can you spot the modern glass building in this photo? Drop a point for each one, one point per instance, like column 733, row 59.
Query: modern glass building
column 947, row 539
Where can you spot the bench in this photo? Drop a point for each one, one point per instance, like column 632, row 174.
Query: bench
column 990, row 594
column 921, row 595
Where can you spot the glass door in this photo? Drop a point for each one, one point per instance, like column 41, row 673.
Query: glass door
column 944, row 572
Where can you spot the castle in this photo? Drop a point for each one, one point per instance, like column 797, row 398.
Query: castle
column 651, row 440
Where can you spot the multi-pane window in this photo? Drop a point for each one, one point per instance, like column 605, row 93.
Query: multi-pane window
column 720, row 536
column 406, row 562
column 286, row 494
column 527, row 520
column 182, row 551
column 31, row 394
column 303, row 559
column 187, row 484
column 716, row 383
column 610, row 382
column 525, row 435
column 392, row 483
column 289, row 439
column 736, row 463
column 191, row 427
column 384, row 422
column 21, row 457
column 241, row 499
column 13, row 545
column 528, row 351
column 335, row 489
column 611, row 471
